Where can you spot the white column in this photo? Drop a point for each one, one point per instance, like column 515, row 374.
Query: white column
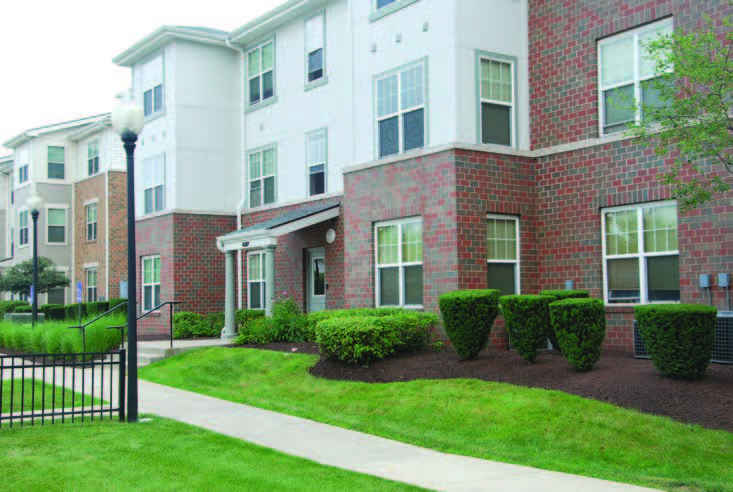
column 269, row 278
column 229, row 313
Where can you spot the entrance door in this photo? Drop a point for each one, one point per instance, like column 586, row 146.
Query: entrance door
column 316, row 279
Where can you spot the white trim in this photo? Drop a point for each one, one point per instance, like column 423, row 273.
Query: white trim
column 400, row 264
column 518, row 261
column 512, row 106
column 261, row 280
column 65, row 208
column 91, row 201
column 143, row 259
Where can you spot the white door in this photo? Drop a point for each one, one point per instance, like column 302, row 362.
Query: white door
column 316, row 279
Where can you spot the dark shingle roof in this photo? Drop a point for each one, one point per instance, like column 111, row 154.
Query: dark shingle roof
column 290, row 216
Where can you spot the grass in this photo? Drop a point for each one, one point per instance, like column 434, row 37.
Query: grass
column 23, row 391
column 540, row 428
column 161, row 455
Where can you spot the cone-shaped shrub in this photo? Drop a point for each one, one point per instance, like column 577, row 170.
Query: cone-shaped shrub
column 561, row 295
column 528, row 324
column 678, row 337
column 580, row 326
column 468, row 316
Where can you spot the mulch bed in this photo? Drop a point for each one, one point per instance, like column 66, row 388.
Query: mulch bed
column 617, row 378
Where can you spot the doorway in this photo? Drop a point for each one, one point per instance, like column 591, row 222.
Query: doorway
column 316, row 279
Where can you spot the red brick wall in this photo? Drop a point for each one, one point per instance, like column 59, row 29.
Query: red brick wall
column 117, row 203
column 90, row 251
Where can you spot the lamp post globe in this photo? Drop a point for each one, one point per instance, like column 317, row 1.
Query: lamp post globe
column 128, row 121
column 34, row 204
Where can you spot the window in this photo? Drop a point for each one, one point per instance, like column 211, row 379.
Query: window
column 640, row 253
column 317, row 156
column 23, row 227
column 401, row 111
column 151, row 282
column 256, row 280
column 384, row 3
column 502, row 247
column 627, row 76
column 262, row 177
column 153, row 184
column 153, row 100
column 497, row 101
column 261, row 73
column 152, row 86
column 314, row 48
column 56, row 296
column 399, row 280
column 93, row 157
column 56, row 226
column 91, row 218
column 12, row 197
column 55, row 163
column 23, row 166
column 12, row 242
column 91, row 282
column 383, row 8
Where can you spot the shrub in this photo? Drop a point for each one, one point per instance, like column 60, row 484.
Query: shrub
column 244, row 316
column 9, row 306
column 98, row 307
column 561, row 295
column 678, row 337
column 528, row 322
column 289, row 322
column 468, row 316
column 53, row 339
column 258, row 331
column 211, row 325
column 185, row 324
column 357, row 340
column 46, row 309
column 71, row 342
column 100, row 339
column 580, row 326
column 72, row 311
column 414, row 329
column 56, row 313
column 23, row 309
column 115, row 301
column 36, row 340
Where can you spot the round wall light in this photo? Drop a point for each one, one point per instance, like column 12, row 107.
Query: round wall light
column 330, row 236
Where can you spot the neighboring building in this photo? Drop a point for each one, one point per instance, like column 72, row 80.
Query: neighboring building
column 452, row 144
column 78, row 169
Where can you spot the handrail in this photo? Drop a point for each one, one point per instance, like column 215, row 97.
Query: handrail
column 170, row 321
column 83, row 327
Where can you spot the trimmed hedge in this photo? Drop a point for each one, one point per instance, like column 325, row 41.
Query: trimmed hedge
column 23, row 309
column 678, row 337
column 46, row 309
column 185, row 324
column 56, row 313
column 561, row 295
column 115, row 301
column 97, row 307
column 528, row 323
column 357, row 340
column 72, row 311
column 243, row 316
column 468, row 316
column 580, row 325
column 9, row 306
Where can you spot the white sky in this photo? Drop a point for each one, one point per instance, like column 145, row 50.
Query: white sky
column 56, row 57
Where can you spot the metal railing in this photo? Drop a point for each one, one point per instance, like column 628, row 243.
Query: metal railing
column 59, row 387
column 83, row 327
column 146, row 313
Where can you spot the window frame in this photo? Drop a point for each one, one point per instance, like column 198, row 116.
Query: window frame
column 261, row 103
column 262, row 280
column 516, row 262
column 148, row 166
column 91, row 291
column 400, row 264
column 87, row 209
column 637, row 79
column 49, row 162
column 65, row 209
column 150, row 259
column 401, row 112
column 309, row 165
column 262, row 177
column 323, row 79
column 514, row 107
column 23, row 166
column 378, row 13
column 93, row 152
column 23, row 212
column 641, row 255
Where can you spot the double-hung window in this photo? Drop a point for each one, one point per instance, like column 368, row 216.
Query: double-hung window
column 93, row 157
column 261, row 73
column 151, row 282
column 55, row 162
column 56, row 226
column 91, row 282
column 399, row 279
column 401, row 110
column 91, row 220
column 152, row 83
column 262, row 167
column 154, row 184
column 12, row 242
column 497, row 101
column 315, row 48
column 256, row 280
column 23, row 228
column 380, row 4
column 317, row 147
column 628, row 76
column 502, row 248
column 640, row 253
column 23, row 166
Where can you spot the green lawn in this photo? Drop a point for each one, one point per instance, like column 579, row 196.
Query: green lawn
column 158, row 456
column 545, row 429
column 23, row 396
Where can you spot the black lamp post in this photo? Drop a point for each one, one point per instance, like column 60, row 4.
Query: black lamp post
column 34, row 204
column 127, row 121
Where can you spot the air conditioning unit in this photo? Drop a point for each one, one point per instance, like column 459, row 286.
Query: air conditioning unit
column 722, row 348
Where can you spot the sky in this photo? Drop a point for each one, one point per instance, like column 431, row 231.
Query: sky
column 56, row 57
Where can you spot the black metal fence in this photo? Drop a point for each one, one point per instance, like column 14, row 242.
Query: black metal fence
column 50, row 388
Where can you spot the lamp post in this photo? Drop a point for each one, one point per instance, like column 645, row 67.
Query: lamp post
column 34, row 204
column 127, row 121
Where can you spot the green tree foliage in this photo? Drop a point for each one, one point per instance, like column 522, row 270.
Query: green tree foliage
column 19, row 278
column 694, row 110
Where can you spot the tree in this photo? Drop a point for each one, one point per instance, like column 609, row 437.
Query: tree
column 693, row 110
column 19, row 278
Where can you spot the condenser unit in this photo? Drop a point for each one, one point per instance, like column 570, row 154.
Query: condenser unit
column 639, row 348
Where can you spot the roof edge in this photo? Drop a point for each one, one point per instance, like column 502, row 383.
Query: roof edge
column 162, row 36
column 241, row 35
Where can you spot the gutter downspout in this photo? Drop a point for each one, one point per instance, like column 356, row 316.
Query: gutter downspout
column 240, row 205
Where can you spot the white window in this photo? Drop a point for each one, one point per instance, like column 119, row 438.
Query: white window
column 23, row 166
column 261, row 73
column 262, row 169
column 627, row 76
column 154, row 184
column 152, row 86
column 93, row 157
column 380, row 4
column 497, row 101
column 401, row 110
column 399, row 279
column 56, row 226
column 640, row 253
column 256, row 280
column 91, row 219
column 12, row 242
column 315, row 48
column 55, row 162
column 502, row 248
column 23, row 227
column 91, row 283
column 151, row 282
column 317, row 146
